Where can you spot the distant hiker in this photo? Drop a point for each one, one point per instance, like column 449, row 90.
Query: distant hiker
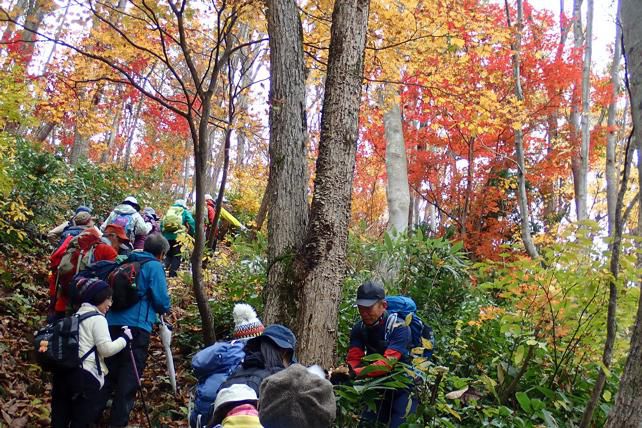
column 296, row 397
column 214, row 364
column 226, row 219
column 373, row 335
column 265, row 355
column 154, row 299
column 75, row 394
column 235, row 407
column 150, row 217
column 74, row 255
column 126, row 215
column 177, row 219
column 58, row 230
column 116, row 237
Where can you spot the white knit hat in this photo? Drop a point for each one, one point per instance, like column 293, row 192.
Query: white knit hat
column 246, row 323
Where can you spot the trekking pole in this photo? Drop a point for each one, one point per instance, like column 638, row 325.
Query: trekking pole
column 140, row 385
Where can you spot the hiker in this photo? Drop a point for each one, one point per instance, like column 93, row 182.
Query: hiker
column 297, row 397
column 150, row 217
column 122, row 379
column 74, row 395
column 213, row 365
column 71, row 227
column 177, row 219
column 265, row 355
column 368, row 336
column 126, row 215
column 235, row 406
column 117, row 239
column 74, row 255
column 226, row 219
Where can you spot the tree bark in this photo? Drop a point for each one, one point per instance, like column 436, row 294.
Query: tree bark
column 522, row 197
column 397, row 191
column 320, row 264
column 586, row 109
column 627, row 410
column 611, row 164
column 288, row 175
column 579, row 186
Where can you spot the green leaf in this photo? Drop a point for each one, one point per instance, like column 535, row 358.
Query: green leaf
column 524, row 401
column 518, row 356
column 606, row 395
column 549, row 420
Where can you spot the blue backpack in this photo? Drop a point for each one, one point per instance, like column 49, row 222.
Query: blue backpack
column 212, row 366
column 399, row 307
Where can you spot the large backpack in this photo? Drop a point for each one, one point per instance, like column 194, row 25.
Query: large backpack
column 127, row 222
column 212, row 366
column 173, row 220
column 57, row 345
column 78, row 254
column 399, row 308
column 122, row 281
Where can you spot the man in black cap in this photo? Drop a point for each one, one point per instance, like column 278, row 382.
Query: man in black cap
column 379, row 332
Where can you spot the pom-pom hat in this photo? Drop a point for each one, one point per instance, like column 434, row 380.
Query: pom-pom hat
column 246, row 324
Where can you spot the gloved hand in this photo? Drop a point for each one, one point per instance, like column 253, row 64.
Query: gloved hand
column 127, row 334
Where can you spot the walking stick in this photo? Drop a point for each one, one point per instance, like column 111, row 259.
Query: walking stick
column 140, row 386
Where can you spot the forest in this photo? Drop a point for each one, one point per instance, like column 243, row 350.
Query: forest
column 479, row 156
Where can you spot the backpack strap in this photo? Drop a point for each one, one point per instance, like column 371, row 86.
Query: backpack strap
column 93, row 349
column 391, row 323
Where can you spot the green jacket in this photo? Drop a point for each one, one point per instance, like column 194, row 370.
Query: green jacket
column 188, row 221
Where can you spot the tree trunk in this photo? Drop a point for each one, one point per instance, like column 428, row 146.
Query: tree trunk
column 522, row 197
column 611, row 164
column 132, row 130
column 320, row 264
column 397, row 191
column 627, row 410
column 586, row 109
column 113, row 133
column 79, row 149
column 288, row 175
column 579, row 186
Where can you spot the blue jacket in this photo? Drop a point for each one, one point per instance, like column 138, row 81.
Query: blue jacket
column 153, row 288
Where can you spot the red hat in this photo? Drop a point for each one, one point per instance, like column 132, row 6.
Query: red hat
column 117, row 230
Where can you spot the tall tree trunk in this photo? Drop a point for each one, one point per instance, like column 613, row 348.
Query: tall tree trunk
column 320, row 264
column 611, row 139
column 586, row 109
column 522, row 197
column 80, row 147
column 575, row 135
column 397, row 191
column 113, row 133
column 627, row 410
column 288, row 214
column 132, row 130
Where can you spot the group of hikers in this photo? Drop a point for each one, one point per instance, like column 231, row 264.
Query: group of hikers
column 108, row 289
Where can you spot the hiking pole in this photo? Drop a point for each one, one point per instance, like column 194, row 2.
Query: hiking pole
column 140, row 385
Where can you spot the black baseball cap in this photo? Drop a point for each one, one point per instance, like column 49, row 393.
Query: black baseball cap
column 369, row 293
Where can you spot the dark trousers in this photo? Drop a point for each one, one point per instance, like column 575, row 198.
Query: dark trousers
column 75, row 400
column 391, row 410
column 121, row 381
column 173, row 258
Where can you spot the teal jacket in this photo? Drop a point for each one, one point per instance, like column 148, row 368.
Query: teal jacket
column 152, row 287
column 188, row 221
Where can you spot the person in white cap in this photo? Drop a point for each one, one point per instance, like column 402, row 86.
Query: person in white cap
column 235, row 406
column 126, row 215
